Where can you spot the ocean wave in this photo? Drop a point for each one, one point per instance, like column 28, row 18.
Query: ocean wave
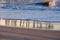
column 31, row 7
column 41, row 9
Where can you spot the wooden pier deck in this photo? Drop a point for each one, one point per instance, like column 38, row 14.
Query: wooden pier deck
column 14, row 33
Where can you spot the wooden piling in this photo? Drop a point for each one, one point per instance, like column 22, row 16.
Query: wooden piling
column 40, row 24
column 20, row 22
column 33, row 24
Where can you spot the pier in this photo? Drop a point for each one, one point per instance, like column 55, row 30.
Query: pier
column 25, row 23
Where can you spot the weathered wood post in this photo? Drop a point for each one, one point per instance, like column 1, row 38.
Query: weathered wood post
column 37, row 24
column 40, row 24
column 33, row 24
column 20, row 22
column 46, row 25
column 28, row 23
column 23, row 23
column 49, row 25
column 15, row 21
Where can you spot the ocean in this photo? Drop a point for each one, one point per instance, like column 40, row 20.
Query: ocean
column 33, row 12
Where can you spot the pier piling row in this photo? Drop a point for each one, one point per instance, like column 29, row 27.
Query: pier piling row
column 26, row 23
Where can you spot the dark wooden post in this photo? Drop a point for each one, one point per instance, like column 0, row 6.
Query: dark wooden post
column 20, row 22
column 23, row 23
column 37, row 24
column 33, row 24
column 46, row 25
column 7, row 22
column 15, row 22
column 49, row 26
column 28, row 23
column 40, row 24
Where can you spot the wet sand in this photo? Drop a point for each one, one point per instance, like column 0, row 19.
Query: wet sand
column 11, row 33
